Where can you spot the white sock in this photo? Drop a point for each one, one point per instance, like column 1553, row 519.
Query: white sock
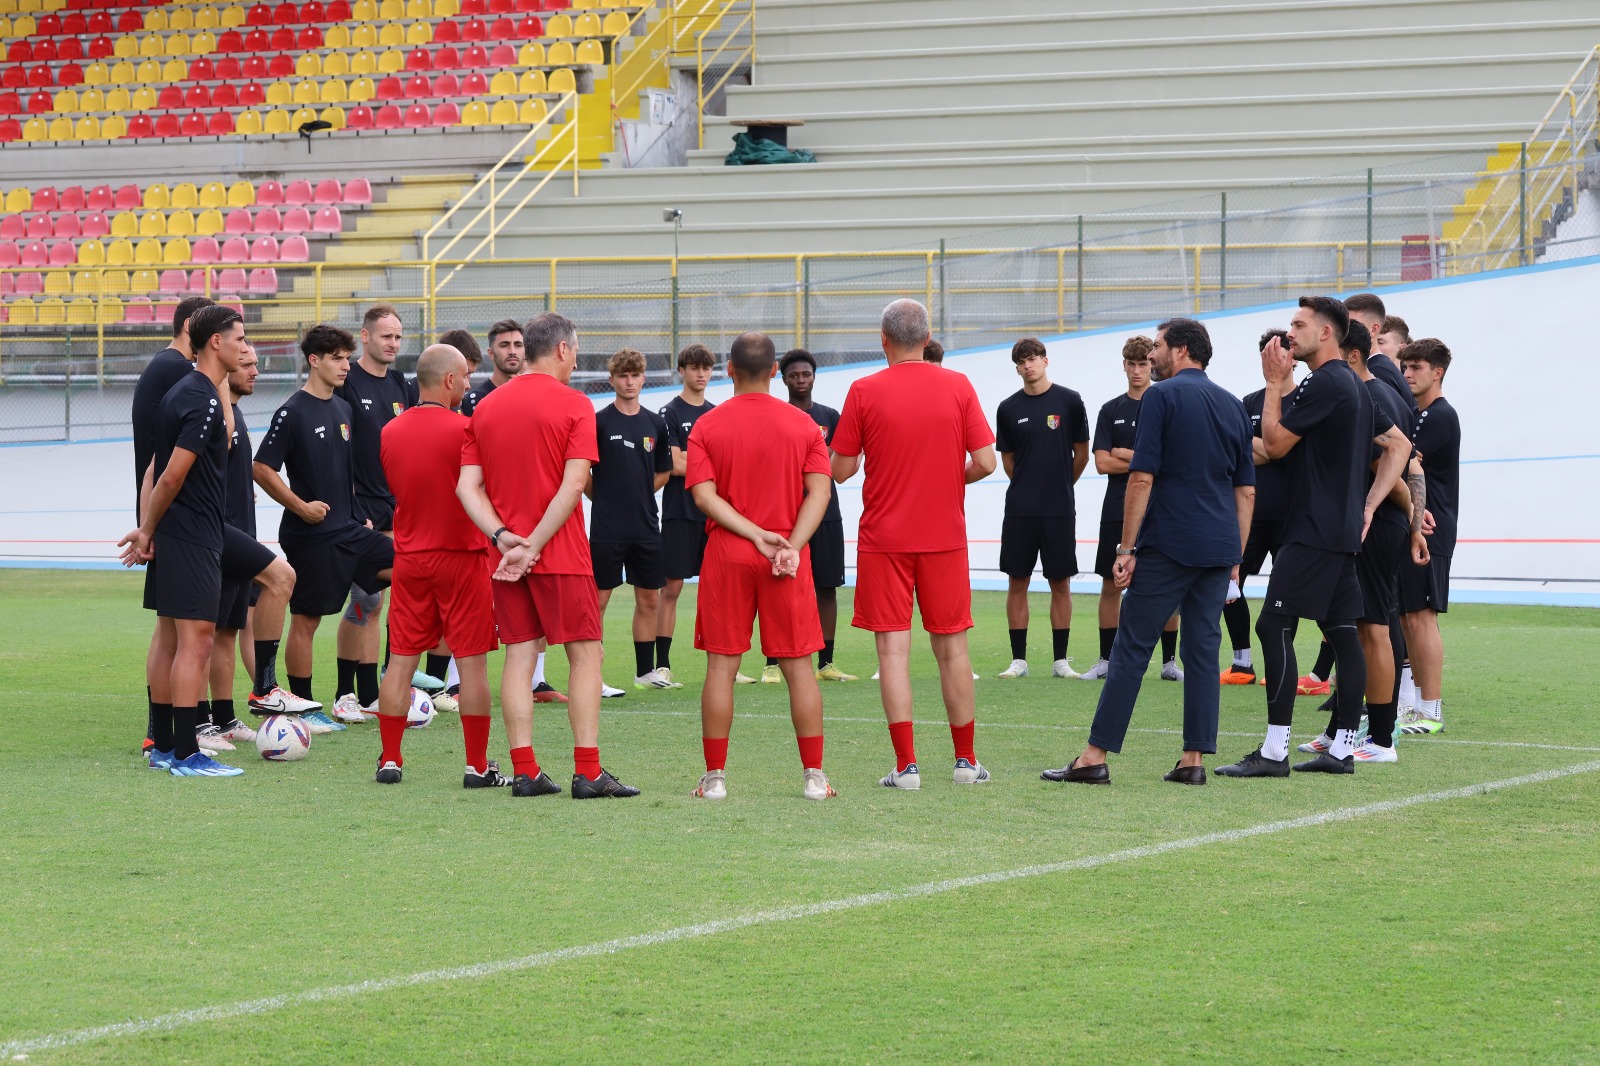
column 538, row 670
column 1241, row 657
column 1408, row 688
column 1433, row 709
column 1344, row 742
column 1276, row 746
column 452, row 676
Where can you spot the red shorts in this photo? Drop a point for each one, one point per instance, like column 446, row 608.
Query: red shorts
column 736, row 585
column 885, row 582
column 561, row 608
column 440, row 594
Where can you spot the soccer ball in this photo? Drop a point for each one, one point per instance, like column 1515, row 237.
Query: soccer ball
column 283, row 738
column 421, row 714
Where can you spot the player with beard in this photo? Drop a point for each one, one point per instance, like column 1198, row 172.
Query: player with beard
column 506, row 353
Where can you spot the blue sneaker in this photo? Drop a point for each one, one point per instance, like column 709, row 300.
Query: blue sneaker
column 202, row 765
column 321, row 723
column 427, row 683
column 160, row 760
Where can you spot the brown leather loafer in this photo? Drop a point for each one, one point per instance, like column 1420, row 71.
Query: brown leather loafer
column 1186, row 775
column 1083, row 775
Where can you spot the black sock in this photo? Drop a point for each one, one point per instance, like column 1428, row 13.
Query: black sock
column 1324, row 666
column 367, row 683
column 300, row 686
column 150, row 716
column 1019, row 643
column 1351, row 663
column 664, row 652
column 1169, row 645
column 202, row 714
column 644, row 652
column 1237, row 617
column 347, row 677
column 161, row 725
column 1058, row 642
column 222, row 713
column 1277, row 658
column 438, row 665
column 771, row 661
column 1107, row 638
column 1380, row 722
column 386, row 646
column 184, row 720
column 266, row 678
column 827, row 652
column 1331, row 702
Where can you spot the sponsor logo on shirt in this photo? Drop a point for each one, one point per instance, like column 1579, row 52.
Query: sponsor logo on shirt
column 319, row 431
column 344, row 430
column 1052, row 421
column 628, row 444
column 615, row 436
column 1021, row 420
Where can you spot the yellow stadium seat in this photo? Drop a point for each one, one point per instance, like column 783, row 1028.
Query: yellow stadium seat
column 116, row 100
column 91, row 100
column 5, row 25
column 364, row 63
column 277, row 121
column 338, row 36
column 180, row 224
column 23, row 312
column 155, row 20
column 587, row 25
column 561, row 54
column 177, row 250
column 419, row 33
column 23, row 26
column 531, row 82
column 86, row 282
column 558, row 26
column 157, row 197
column 580, row 4
column 121, row 74
column 279, row 93
column 19, row 200
column 233, row 15
column 562, row 81
column 91, row 254
column 444, row 9
column 247, row 122
column 87, row 128
column 203, row 43
column 149, row 72
column 144, row 98
column 391, row 62
column 113, row 127
column 115, row 282
column 124, row 224
column 175, row 69
column 109, row 311
column 504, row 113
column 213, row 194
column 392, row 35
column 80, row 312
column 590, row 54
column 151, row 45
column 333, row 91
column 35, row 129
column 207, row 18
column 209, row 223
column 615, row 24
column 531, row 111
column 364, row 36
column 308, row 66
column 153, row 224
column 179, row 44
column 504, row 83
column 52, row 312
column 184, row 195
column 57, row 282
column 362, row 89
column 389, row 10
column 181, row 18
column 301, row 117
column 334, row 115
column 476, row 113
column 418, row 9
column 65, row 100
column 336, row 62
column 305, row 92
column 241, row 194
column 364, row 10
column 531, row 55
column 144, row 281
column 125, row 47
column 96, row 73
column 61, row 128
column 147, row 252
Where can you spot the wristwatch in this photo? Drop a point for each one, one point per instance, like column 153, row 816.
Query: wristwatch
column 494, row 538
column 1127, row 551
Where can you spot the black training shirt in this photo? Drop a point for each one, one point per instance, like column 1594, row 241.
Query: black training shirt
column 1040, row 431
column 1115, row 428
column 1438, row 438
column 240, row 512
column 1272, row 479
column 311, row 439
column 1385, row 400
column 1384, row 369
column 475, row 396
column 374, row 403
column 192, row 419
column 163, row 371
column 827, row 420
column 680, row 418
column 1334, row 417
column 633, row 450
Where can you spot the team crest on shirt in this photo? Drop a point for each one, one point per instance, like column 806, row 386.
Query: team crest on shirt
column 649, row 444
column 1052, row 421
column 397, row 409
column 344, row 430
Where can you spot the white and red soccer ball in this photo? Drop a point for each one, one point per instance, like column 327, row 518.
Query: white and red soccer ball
column 283, row 738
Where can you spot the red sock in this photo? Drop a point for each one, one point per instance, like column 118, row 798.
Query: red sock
column 905, row 747
column 961, row 736
column 586, row 761
column 810, row 752
column 391, row 728
column 475, row 731
column 716, row 753
column 522, row 760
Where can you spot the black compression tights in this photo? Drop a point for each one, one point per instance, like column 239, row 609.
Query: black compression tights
column 1277, row 632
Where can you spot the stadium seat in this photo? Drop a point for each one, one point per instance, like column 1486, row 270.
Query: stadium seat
column 586, row 25
column 446, row 113
column 234, row 250
column 125, row 224
column 267, row 220
column 560, row 54
column 389, row 10
column 239, row 222
column 247, row 123
column 63, row 253
column 475, row 84
column 310, row 37
column 562, row 81
column 446, row 32
column 177, row 250
column 219, row 124
column 531, row 111
column 308, row 66
column 252, row 95
column 67, row 227
column 416, row 87
column 60, row 129
column 559, row 26
column 417, row 117
column 365, row 36
column 504, row 113
column 475, row 57
column 118, row 99
column 95, row 224
column 232, row 278
column 590, row 54
column 295, row 249
column 167, row 126
column 143, row 281
column 268, row 194
column 153, row 224
column 298, row 193
column 140, row 312
column 306, row 92
column 262, row 250
column 12, row 228
column 502, row 29
column 504, row 83
column 387, row 117
column 474, row 7
column 476, row 113
column 205, row 251
column 328, row 191
column 336, row 63
column 31, row 284
column 531, row 83
column 475, row 30
column 336, row 38
column 99, row 198
column 280, row 67
column 57, row 282
column 276, row 121
column 202, row 69
column 281, row 39
column 391, row 36
column 357, row 191
column 446, row 58
column 418, row 60
column 419, row 33
column 39, row 227
column 333, row 91
column 209, row 222
column 360, row 118
column 180, row 224
column 173, row 282
column 279, row 93
column 339, row 11
column 91, row 253
column 193, row 125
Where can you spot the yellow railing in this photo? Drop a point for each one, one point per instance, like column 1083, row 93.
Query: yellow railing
column 743, row 55
column 680, row 32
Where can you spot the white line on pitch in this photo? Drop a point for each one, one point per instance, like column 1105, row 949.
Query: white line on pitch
column 224, row 1012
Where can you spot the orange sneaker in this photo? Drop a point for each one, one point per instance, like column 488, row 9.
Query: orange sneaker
column 544, row 693
column 1234, row 675
column 1310, row 686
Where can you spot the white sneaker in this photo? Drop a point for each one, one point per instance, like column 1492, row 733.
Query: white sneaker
column 741, row 678
column 1018, row 668
column 910, row 778
column 1170, row 671
column 1317, row 746
column 444, row 703
column 665, row 673
column 1097, row 672
column 713, row 785
column 240, row 732
column 1370, row 752
column 816, row 786
column 875, row 676
column 316, row 726
column 210, row 738
column 970, row 773
column 347, row 709
column 1063, row 668
column 282, row 701
column 976, row 676
column 609, row 693
column 653, row 679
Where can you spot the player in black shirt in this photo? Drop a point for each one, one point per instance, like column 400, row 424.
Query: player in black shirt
column 180, row 539
column 683, row 527
column 1329, row 428
column 1425, row 591
column 799, row 370
column 323, row 532
column 1042, row 435
column 625, row 530
column 506, row 352
column 1367, row 308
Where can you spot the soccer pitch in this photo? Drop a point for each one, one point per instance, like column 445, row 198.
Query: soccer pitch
column 1442, row 909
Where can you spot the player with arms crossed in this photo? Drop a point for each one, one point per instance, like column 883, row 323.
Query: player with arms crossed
column 759, row 470
column 925, row 439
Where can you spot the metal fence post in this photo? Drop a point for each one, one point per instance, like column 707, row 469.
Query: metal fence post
column 1522, row 207
column 1369, row 227
column 805, row 302
column 66, row 411
column 1222, row 256
column 1080, row 271
column 944, row 301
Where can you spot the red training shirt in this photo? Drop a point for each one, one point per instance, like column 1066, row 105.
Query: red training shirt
column 758, row 450
column 522, row 435
column 916, row 423
column 421, row 454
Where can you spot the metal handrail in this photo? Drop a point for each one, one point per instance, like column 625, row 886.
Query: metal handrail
column 641, row 47
column 701, row 59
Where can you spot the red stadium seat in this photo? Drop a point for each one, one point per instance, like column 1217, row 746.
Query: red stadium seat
column 129, row 198
column 283, row 39
column 13, row 228
column 197, row 96
column 286, row 14
column 262, row 250
column 327, row 219
column 73, row 24
column 298, row 193
column 417, row 87
column 475, row 30
column 417, row 117
column 446, row 58
column 14, row 77
column 130, row 22
column 503, row 56
column 139, row 311
column 10, row 104
column 474, row 7
column 201, row 70
column 174, row 282
column 530, row 27
column 227, row 69
column 263, row 280
column 312, row 11
column 99, row 198
column 68, row 227
column 63, row 253
column 359, row 118
column 254, row 69
column 474, row 84
column 269, row 194
column 30, row 284
column 48, row 26
column 99, row 22
column 388, row 117
column 225, row 96
column 446, row 32
column 40, row 77
column 169, row 98
column 251, row 94
column 338, row 11
column 258, row 15
column 95, row 224
column 35, row 254
column 295, row 250
column 501, row 7
column 10, row 256
column 72, row 198
column 40, row 103
column 528, row 5
column 309, row 39
column 201, row 281
column 280, row 67
column 446, row 84
column 476, row 57
column 140, row 126
column 167, row 126
column 71, row 74
column 232, row 279
column 390, row 88
column 446, row 113
column 19, row 51
column 296, row 220
column 327, row 192
column 70, row 48
column 257, row 40
column 219, row 123
column 238, row 222
column 44, row 52
column 418, row 59
column 39, row 227
column 358, row 191
column 229, row 42
column 234, row 250
column 502, row 29
column 267, row 220
column 206, row 251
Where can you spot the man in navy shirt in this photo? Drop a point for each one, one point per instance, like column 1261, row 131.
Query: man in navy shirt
column 1191, row 488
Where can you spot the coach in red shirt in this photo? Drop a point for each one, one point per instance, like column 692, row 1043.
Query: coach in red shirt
column 926, row 439
column 441, row 586
column 758, row 469
column 525, row 460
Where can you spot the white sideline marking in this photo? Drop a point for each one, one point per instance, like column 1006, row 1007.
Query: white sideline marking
column 180, row 1019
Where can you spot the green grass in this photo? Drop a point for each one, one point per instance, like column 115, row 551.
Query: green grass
column 1454, row 931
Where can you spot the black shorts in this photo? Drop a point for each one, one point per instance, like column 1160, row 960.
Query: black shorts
column 1262, row 543
column 1378, row 569
column 827, row 555
column 183, row 580
column 1105, row 554
column 255, row 593
column 233, row 610
column 379, row 510
column 325, row 568
column 1425, row 588
column 243, row 556
column 683, row 547
column 642, row 561
column 1313, row 583
column 1025, row 540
